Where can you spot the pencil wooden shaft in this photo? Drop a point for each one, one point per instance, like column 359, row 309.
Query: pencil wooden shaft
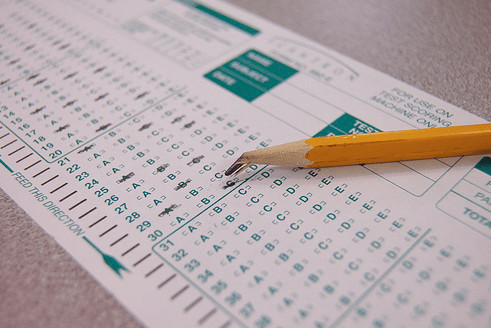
column 400, row 145
column 377, row 147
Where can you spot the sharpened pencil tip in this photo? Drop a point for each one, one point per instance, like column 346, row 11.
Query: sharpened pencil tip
column 236, row 167
column 233, row 168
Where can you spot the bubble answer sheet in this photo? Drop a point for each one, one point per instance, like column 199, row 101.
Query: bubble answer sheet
column 119, row 118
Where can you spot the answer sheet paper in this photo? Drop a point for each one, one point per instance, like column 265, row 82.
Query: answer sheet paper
column 119, row 118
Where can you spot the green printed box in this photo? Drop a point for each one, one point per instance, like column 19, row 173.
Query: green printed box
column 234, row 85
column 346, row 124
column 267, row 64
column 224, row 18
column 484, row 165
column 250, row 75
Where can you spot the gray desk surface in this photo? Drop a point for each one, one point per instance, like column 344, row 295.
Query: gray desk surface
column 441, row 47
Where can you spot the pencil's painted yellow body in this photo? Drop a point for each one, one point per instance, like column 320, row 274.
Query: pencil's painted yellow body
column 399, row 145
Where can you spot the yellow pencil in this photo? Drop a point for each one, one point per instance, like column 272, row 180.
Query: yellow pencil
column 372, row 148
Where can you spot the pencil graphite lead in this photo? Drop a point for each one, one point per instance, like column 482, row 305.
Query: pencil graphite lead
column 237, row 167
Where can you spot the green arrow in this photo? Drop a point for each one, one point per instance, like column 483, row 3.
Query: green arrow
column 108, row 259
